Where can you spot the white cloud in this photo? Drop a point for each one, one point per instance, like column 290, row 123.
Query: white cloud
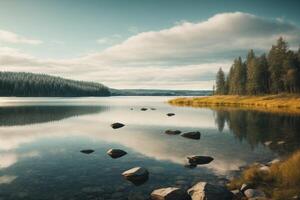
column 10, row 37
column 185, row 56
column 216, row 38
column 109, row 40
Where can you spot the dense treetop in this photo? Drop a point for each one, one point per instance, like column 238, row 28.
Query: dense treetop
column 276, row 72
column 37, row 85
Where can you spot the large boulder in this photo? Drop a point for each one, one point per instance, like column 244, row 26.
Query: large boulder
column 117, row 125
column 170, row 193
column 192, row 135
column 136, row 175
column 206, row 191
column 172, row 132
column 199, row 160
column 254, row 193
column 116, row 153
column 87, row 151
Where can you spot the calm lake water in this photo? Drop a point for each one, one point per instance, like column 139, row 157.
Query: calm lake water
column 41, row 139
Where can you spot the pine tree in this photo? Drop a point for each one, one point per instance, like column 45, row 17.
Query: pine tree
column 239, row 77
column 220, row 82
column 276, row 57
column 251, row 63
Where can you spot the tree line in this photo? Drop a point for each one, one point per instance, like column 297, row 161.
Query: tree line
column 276, row 72
column 40, row 85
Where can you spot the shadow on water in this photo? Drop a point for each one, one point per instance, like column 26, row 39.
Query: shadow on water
column 25, row 115
column 281, row 132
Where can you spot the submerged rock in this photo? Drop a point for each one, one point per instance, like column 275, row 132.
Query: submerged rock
column 144, row 109
column 253, row 193
column 87, row 151
column 281, row 142
column 117, row 125
column 170, row 114
column 172, row 132
column 199, row 160
column 116, row 153
column 136, row 175
column 170, row 193
column 206, row 191
column 268, row 143
column 192, row 135
column 153, row 108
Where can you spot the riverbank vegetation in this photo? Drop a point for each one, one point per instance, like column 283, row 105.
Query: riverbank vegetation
column 274, row 73
column 289, row 103
column 40, row 85
column 279, row 181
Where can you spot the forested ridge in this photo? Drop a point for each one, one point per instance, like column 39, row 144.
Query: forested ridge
column 37, row 85
column 276, row 72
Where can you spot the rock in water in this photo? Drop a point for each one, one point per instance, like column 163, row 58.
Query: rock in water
column 136, row 175
column 170, row 193
column 268, row 143
column 87, row 151
column 199, row 160
column 252, row 193
column 192, row 135
column 170, row 114
column 172, row 132
column 116, row 153
column 144, row 109
column 153, row 108
column 244, row 187
column 117, row 125
column 206, row 191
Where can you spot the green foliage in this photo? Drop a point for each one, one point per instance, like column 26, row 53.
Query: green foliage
column 220, row 83
column 36, row 85
column 278, row 72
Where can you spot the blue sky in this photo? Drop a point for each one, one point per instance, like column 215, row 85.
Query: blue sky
column 139, row 43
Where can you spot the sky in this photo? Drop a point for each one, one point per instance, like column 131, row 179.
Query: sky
column 151, row 44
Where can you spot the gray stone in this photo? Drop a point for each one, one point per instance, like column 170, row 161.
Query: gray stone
column 237, row 194
column 116, row 153
column 170, row 193
column 117, row 125
column 136, row 175
column 87, row 151
column 276, row 160
column 268, row 143
column 170, row 114
column 172, row 132
column 192, row 135
column 244, row 187
column 281, row 142
column 206, row 191
column 199, row 160
column 254, row 193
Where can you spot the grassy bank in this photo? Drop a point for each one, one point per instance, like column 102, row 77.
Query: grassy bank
column 272, row 103
column 281, row 181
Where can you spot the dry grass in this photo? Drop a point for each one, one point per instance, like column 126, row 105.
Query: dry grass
column 274, row 103
column 281, row 182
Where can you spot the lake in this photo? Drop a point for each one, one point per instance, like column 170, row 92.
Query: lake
column 41, row 140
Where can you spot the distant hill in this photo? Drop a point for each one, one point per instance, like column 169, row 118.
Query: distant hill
column 23, row 84
column 150, row 92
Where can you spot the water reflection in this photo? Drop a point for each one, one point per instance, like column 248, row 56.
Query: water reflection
column 23, row 115
column 281, row 131
column 43, row 160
